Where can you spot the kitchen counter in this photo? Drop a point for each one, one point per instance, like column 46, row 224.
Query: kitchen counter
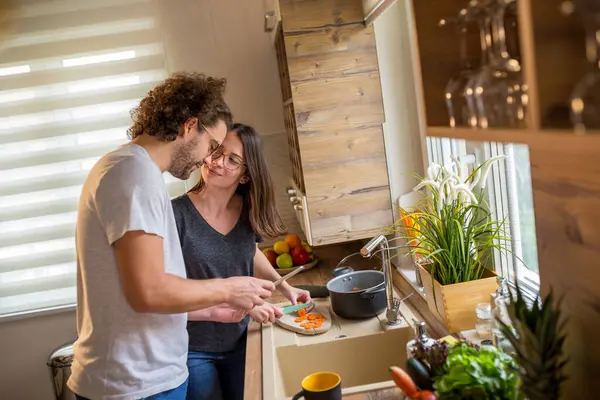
column 328, row 257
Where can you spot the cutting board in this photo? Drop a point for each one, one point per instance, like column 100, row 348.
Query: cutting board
column 288, row 321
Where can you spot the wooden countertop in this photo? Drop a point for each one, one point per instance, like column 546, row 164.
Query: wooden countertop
column 328, row 256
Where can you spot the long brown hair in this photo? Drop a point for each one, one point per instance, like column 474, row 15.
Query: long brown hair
column 258, row 193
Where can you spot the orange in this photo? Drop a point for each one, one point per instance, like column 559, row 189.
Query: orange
column 293, row 241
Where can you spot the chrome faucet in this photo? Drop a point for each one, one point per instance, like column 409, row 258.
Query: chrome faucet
column 393, row 304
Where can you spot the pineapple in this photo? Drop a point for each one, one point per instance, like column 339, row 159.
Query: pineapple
column 537, row 337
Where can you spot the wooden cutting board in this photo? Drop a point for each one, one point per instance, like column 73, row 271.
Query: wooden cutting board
column 288, row 321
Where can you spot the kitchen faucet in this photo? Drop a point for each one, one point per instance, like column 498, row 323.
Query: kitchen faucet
column 393, row 304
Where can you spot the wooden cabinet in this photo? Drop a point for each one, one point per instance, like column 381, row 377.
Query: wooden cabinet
column 333, row 112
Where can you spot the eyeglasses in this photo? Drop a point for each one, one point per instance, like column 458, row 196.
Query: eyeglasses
column 215, row 145
column 231, row 162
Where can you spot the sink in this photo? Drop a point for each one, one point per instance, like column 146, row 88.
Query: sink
column 360, row 351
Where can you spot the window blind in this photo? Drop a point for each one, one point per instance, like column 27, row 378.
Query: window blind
column 69, row 75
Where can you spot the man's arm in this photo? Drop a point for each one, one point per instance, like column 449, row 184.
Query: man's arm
column 148, row 288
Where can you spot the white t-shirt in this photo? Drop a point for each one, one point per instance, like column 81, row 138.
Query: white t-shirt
column 121, row 354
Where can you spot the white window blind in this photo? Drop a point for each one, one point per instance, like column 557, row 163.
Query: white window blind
column 71, row 72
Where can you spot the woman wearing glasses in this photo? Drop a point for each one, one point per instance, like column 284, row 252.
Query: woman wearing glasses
column 220, row 221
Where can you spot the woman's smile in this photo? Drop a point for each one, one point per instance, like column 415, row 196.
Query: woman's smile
column 213, row 172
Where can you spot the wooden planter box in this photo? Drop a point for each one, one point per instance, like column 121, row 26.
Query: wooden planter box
column 455, row 304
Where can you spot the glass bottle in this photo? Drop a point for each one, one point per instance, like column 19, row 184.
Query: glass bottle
column 421, row 337
column 483, row 320
column 500, row 313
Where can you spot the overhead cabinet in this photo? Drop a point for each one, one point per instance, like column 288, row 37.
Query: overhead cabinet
column 333, row 112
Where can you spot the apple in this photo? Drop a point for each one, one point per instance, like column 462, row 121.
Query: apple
column 271, row 256
column 300, row 256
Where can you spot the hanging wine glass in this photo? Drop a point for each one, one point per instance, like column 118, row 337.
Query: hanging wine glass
column 499, row 92
column 456, row 102
column 476, row 9
column 585, row 99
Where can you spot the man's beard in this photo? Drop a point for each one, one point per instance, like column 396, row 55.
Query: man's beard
column 184, row 160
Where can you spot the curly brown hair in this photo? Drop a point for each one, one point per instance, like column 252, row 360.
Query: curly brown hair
column 174, row 101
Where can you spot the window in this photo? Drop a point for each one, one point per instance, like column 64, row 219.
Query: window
column 509, row 194
column 70, row 75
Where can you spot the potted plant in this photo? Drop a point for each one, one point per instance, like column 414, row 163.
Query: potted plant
column 536, row 333
column 451, row 231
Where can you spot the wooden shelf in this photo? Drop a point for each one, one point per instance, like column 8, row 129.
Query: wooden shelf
column 539, row 138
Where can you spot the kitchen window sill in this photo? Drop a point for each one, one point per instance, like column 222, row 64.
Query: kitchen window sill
column 37, row 313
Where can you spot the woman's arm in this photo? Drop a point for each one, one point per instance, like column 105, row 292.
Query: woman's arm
column 264, row 270
column 219, row 313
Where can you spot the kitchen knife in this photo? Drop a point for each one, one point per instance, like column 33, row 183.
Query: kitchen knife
column 290, row 309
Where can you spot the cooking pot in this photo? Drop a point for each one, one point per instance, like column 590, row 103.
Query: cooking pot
column 357, row 294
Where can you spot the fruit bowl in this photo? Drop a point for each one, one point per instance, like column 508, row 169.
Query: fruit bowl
column 288, row 254
column 285, row 271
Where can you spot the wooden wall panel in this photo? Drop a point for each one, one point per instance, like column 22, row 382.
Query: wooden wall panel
column 344, row 101
column 566, row 189
column 339, row 204
column 330, row 146
column 350, row 227
column 304, row 14
column 331, row 52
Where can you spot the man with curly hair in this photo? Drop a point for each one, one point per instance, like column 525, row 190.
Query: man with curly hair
column 133, row 300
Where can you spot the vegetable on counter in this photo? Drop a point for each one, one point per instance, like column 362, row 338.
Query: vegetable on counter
column 433, row 356
column 425, row 395
column 473, row 373
column 420, row 373
column 404, row 381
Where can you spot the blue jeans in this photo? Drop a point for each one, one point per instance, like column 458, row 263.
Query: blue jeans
column 217, row 376
column 174, row 394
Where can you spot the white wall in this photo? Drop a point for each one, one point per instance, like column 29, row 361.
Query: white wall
column 402, row 132
column 404, row 146
column 25, row 345
column 226, row 38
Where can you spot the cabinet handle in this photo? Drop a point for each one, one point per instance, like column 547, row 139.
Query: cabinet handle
column 297, row 207
column 290, row 191
column 294, row 199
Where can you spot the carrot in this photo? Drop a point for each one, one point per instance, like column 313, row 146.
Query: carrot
column 300, row 319
column 425, row 395
column 311, row 317
column 404, row 381
column 318, row 324
column 308, row 326
column 302, row 313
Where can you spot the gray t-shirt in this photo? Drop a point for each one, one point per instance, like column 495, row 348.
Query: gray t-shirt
column 121, row 354
column 208, row 254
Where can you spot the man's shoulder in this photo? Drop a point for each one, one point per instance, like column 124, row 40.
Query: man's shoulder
column 127, row 166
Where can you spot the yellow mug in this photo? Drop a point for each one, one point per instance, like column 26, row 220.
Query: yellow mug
column 321, row 386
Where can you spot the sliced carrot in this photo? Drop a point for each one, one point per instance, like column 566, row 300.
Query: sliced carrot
column 308, row 326
column 318, row 324
column 302, row 313
column 300, row 319
column 311, row 317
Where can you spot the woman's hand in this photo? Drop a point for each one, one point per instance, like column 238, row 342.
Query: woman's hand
column 266, row 313
column 227, row 313
column 221, row 313
column 295, row 295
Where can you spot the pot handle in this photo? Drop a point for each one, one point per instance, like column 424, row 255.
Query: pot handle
column 341, row 271
column 373, row 290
